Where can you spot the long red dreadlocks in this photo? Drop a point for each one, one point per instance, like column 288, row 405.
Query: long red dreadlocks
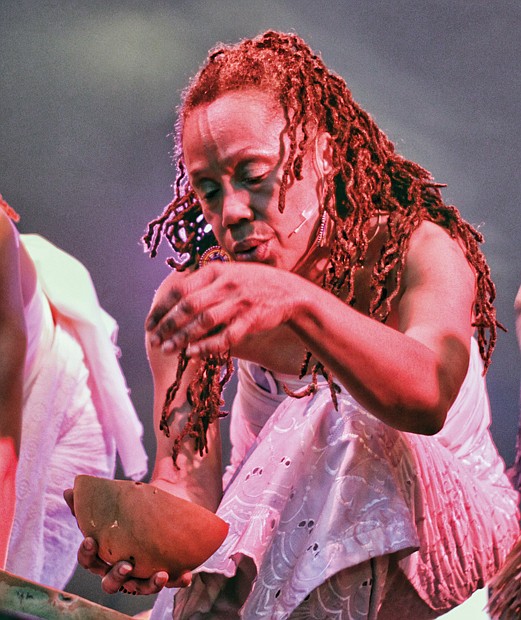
column 368, row 177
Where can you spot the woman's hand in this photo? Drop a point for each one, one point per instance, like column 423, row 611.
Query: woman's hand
column 211, row 310
column 118, row 577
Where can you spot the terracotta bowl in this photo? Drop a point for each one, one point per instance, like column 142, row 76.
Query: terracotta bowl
column 146, row 526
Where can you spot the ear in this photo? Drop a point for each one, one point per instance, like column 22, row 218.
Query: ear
column 324, row 152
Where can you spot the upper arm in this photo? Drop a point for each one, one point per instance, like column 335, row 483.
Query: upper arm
column 436, row 306
column 12, row 333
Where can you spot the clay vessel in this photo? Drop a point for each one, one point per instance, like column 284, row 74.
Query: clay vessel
column 146, row 526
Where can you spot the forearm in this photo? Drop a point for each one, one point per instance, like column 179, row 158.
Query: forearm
column 196, row 477
column 395, row 376
column 8, row 465
column 12, row 354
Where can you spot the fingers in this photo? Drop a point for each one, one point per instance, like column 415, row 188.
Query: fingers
column 210, row 326
column 175, row 287
column 211, row 310
column 185, row 321
column 183, row 581
column 161, row 307
column 119, row 579
column 68, row 496
column 88, row 557
column 201, row 309
column 221, row 342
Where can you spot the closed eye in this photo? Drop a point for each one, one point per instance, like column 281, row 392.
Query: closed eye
column 210, row 194
column 207, row 190
column 252, row 181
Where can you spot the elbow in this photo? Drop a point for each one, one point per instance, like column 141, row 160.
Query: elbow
column 426, row 421
column 433, row 414
column 421, row 415
column 433, row 423
column 430, row 403
column 441, row 400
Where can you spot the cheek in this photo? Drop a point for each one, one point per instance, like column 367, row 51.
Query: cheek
column 217, row 229
column 210, row 216
column 300, row 212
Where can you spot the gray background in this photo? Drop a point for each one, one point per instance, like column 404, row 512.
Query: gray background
column 88, row 92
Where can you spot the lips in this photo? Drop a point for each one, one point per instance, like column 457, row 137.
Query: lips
column 250, row 249
column 246, row 245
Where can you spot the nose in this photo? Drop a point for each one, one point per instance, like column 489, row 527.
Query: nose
column 235, row 207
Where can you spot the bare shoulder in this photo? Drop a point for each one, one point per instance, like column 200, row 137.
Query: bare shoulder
column 435, row 255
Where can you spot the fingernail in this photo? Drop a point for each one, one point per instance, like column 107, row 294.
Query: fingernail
column 88, row 545
column 155, row 340
column 167, row 346
column 124, row 570
column 192, row 350
column 159, row 582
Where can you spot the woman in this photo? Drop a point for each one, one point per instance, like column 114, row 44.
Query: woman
column 64, row 406
column 363, row 478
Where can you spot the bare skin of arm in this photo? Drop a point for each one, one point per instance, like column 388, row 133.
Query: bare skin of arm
column 517, row 308
column 410, row 374
column 406, row 372
column 12, row 353
column 198, row 478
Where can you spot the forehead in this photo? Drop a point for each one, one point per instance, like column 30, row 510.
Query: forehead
column 235, row 120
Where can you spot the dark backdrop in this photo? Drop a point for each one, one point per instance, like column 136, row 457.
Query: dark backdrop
column 88, row 91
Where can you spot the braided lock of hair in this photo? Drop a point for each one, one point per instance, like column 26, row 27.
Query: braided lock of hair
column 368, row 177
column 8, row 210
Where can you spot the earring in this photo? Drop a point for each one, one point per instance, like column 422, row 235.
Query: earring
column 214, row 253
column 376, row 229
column 324, row 220
column 321, row 236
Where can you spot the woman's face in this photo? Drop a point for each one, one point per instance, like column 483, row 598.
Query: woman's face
column 234, row 150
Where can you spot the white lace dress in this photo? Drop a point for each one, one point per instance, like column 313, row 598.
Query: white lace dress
column 313, row 495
